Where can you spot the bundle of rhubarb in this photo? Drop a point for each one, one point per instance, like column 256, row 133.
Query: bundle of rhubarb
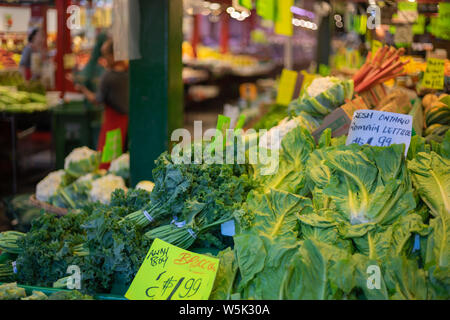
column 384, row 65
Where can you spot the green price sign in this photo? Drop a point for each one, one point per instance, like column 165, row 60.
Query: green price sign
column 246, row 4
column 113, row 145
column 266, row 9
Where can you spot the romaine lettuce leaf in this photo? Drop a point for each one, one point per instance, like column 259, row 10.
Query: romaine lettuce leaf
column 289, row 174
column 431, row 178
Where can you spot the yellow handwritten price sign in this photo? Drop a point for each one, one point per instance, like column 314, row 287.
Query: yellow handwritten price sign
column 307, row 79
column 286, row 87
column 434, row 74
column 283, row 23
column 69, row 61
column 171, row 273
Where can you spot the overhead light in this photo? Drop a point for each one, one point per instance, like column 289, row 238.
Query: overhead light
column 296, row 22
column 206, row 4
column 412, row 0
column 235, row 14
column 245, row 14
column 230, row 10
column 214, row 6
column 339, row 24
column 302, row 12
column 206, row 12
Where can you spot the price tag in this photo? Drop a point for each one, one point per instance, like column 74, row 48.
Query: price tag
column 113, row 145
column 434, row 74
column 240, row 123
column 286, row 87
column 171, row 273
column 248, row 91
column 407, row 12
column 228, row 228
column 307, row 79
column 324, row 70
column 403, row 35
column 283, row 24
column 419, row 26
column 69, row 61
column 379, row 128
column 223, row 123
column 266, row 9
column 375, row 46
column 246, row 3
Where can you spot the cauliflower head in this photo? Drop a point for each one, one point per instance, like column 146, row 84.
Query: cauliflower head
column 121, row 166
column 104, row 186
column 49, row 186
column 82, row 161
column 145, row 185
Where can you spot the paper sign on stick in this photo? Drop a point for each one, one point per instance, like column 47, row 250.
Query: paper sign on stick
column 379, row 128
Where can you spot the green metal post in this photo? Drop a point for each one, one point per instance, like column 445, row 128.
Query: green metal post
column 156, row 86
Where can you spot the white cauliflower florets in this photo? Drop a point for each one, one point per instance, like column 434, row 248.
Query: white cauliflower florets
column 272, row 138
column 121, row 163
column 77, row 155
column 104, row 186
column 145, row 185
column 319, row 85
column 48, row 186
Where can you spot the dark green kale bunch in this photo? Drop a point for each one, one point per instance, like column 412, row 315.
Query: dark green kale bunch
column 47, row 249
column 199, row 197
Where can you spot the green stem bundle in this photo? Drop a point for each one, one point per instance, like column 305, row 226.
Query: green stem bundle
column 182, row 237
column 9, row 241
column 80, row 250
column 152, row 215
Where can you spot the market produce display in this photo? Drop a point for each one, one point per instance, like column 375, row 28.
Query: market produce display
column 8, row 59
column 437, row 116
column 310, row 225
column 310, row 231
column 82, row 181
column 322, row 96
column 21, row 101
column 108, row 249
column 361, row 209
column 384, row 65
column 10, row 291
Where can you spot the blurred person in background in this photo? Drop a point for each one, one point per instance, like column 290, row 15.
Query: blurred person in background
column 34, row 45
column 91, row 74
column 113, row 93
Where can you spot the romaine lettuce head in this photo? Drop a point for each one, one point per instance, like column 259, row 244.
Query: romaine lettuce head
column 287, row 171
column 365, row 184
column 431, row 177
column 324, row 102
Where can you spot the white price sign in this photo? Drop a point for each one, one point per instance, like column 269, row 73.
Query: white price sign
column 379, row 128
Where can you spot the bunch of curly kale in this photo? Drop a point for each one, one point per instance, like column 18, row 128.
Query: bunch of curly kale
column 107, row 252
